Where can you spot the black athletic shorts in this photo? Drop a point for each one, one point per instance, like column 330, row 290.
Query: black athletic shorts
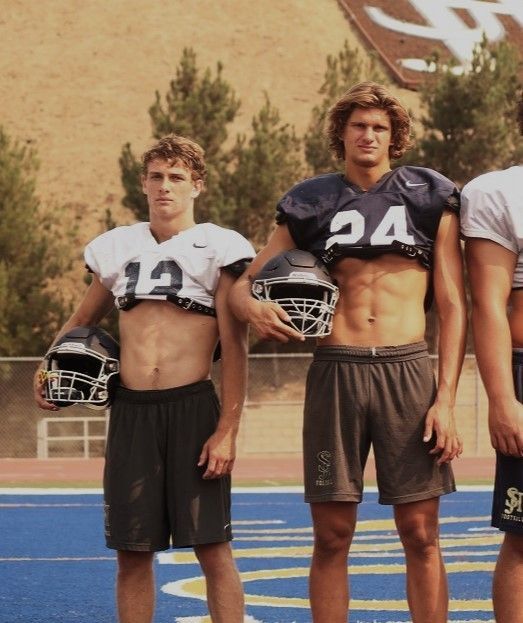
column 507, row 503
column 154, row 493
column 358, row 397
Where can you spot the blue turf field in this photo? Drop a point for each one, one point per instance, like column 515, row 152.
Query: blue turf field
column 55, row 568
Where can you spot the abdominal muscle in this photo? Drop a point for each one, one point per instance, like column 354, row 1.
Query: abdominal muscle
column 163, row 346
column 381, row 302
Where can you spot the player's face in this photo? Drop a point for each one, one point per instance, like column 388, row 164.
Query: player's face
column 367, row 137
column 169, row 188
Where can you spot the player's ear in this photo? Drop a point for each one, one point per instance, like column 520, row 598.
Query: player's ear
column 197, row 188
column 142, row 180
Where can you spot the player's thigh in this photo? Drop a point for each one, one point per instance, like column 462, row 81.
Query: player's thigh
column 134, row 488
column 199, row 509
column 335, row 439
column 406, row 472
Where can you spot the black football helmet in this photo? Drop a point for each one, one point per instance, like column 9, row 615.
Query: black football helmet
column 82, row 368
column 301, row 284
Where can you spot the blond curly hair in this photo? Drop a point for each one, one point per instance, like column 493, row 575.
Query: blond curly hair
column 368, row 95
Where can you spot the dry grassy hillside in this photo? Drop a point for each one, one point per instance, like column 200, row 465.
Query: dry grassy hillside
column 78, row 77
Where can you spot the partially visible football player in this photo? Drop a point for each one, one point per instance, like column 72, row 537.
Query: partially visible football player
column 492, row 224
column 390, row 239
column 171, row 446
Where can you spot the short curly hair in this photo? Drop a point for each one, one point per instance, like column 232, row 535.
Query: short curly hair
column 174, row 148
column 368, row 95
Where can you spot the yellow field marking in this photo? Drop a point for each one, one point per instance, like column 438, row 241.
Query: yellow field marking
column 195, row 587
column 388, row 546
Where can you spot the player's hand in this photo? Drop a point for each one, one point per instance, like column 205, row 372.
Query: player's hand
column 506, row 427
column 441, row 424
column 218, row 454
column 38, row 391
column 269, row 320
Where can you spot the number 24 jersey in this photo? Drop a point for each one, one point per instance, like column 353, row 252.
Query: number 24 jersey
column 333, row 218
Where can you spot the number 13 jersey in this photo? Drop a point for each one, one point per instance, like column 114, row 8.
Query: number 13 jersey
column 333, row 218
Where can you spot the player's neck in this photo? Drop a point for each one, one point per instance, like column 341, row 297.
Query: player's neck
column 365, row 177
column 164, row 229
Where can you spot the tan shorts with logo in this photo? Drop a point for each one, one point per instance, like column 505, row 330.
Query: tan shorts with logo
column 361, row 397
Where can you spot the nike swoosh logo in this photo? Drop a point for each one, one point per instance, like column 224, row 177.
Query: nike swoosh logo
column 411, row 184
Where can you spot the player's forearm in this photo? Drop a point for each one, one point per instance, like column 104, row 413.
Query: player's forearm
column 233, row 384
column 449, row 290
column 451, row 350
column 493, row 348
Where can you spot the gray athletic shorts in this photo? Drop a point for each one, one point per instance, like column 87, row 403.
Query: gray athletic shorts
column 357, row 397
column 154, row 493
column 507, row 503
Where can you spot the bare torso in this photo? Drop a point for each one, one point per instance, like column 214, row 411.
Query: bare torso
column 381, row 302
column 516, row 318
column 164, row 346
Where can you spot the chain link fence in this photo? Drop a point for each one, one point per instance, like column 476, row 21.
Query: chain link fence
column 271, row 422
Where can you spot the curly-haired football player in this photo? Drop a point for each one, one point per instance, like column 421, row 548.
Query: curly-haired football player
column 390, row 240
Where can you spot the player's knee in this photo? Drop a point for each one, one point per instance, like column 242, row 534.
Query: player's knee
column 333, row 540
column 134, row 563
column 419, row 536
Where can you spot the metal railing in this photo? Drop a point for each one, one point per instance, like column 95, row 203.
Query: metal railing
column 85, row 437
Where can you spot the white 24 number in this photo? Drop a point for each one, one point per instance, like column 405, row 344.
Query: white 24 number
column 394, row 221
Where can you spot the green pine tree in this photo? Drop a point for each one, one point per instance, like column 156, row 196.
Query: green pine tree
column 469, row 123
column 31, row 255
column 199, row 107
column 263, row 167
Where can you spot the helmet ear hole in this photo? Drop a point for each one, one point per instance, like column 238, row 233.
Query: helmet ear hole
column 301, row 284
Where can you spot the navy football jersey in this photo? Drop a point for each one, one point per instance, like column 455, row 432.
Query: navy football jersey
column 333, row 218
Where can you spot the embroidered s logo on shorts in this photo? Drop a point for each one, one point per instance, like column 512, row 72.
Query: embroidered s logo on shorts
column 324, row 468
column 513, row 505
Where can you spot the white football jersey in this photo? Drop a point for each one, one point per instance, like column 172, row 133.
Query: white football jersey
column 129, row 261
column 492, row 208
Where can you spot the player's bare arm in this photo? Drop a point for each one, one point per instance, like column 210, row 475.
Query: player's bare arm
column 268, row 319
column 219, row 452
column 450, row 299
column 95, row 305
column 491, row 268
